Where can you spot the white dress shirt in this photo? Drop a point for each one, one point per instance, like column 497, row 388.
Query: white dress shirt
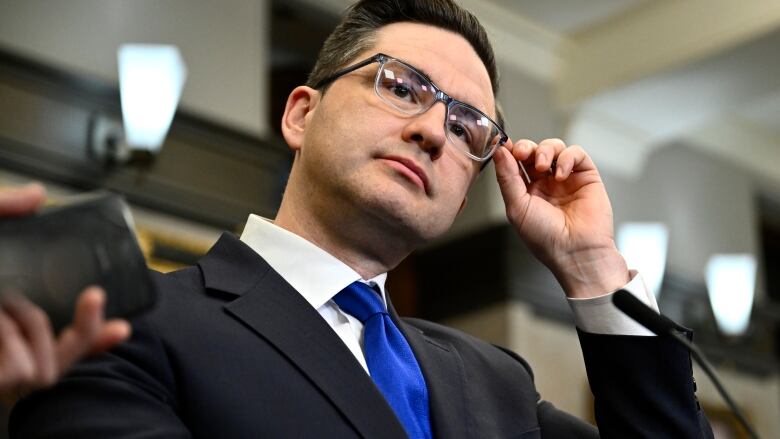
column 318, row 276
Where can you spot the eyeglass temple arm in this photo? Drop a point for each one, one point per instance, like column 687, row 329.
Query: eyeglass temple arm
column 344, row 71
column 525, row 173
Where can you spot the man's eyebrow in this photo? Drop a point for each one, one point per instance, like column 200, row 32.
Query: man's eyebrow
column 421, row 71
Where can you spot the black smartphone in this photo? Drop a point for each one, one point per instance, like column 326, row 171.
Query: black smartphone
column 50, row 257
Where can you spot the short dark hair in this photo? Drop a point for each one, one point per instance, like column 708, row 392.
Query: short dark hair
column 357, row 30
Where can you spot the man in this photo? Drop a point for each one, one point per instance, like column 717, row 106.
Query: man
column 280, row 335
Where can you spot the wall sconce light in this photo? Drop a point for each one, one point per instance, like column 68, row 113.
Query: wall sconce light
column 731, row 280
column 644, row 245
column 151, row 79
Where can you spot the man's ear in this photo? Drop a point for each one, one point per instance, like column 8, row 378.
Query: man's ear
column 300, row 104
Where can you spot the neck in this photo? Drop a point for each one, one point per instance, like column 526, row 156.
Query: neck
column 367, row 246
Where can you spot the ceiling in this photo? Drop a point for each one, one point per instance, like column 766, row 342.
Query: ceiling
column 570, row 16
column 650, row 72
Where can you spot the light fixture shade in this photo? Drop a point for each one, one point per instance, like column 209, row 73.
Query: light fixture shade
column 731, row 281
column 151, row 78
column 644, row 245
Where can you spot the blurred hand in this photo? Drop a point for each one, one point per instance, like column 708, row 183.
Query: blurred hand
column 30, row 355
column 563, row 215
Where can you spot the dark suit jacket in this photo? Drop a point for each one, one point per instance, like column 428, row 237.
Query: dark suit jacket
column 231, row 350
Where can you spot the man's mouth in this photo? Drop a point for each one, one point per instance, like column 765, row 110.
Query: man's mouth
column 409, row 169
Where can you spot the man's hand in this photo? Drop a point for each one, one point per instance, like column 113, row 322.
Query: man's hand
column 563, row 215
column 30, row 355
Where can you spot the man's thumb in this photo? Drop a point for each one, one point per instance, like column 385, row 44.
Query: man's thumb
column 509, row 176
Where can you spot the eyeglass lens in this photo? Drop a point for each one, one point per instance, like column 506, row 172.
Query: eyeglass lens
column 411, row 93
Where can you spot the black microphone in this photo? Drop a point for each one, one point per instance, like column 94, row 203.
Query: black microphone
column 665, row 327
column 643, row 314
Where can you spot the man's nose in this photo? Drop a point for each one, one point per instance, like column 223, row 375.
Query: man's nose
column 427, row 130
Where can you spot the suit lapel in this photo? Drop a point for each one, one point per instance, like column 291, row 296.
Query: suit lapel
column 276, row 312
column 442, row 368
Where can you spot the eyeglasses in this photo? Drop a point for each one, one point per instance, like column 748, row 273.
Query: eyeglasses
column 411, row 92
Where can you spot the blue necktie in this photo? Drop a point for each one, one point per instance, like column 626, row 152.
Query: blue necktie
column 390, row 360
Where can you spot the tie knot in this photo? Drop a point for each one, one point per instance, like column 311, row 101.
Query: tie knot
column 360, row 301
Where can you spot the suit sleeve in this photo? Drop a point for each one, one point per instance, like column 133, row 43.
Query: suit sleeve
column 643, row 387
column 127, row 392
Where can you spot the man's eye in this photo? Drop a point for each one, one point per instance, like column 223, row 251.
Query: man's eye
column 461, row 136
column 401, row 91
column 458, row 131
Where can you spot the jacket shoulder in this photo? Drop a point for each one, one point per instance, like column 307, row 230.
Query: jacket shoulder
column 473, row 348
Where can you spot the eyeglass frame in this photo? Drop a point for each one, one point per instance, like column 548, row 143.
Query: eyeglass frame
column 440, row 95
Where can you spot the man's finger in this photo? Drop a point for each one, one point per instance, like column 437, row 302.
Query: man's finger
column 21, row 201
column 573, row 159
column 509, row 176
column 522, row 150
column 112, row 333
column 547, row 152
column 35, row 326
column 76, row 339
column 88, row 315
column 89, row 333
column 17, row 365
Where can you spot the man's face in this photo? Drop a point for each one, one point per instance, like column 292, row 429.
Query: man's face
column 399, row 169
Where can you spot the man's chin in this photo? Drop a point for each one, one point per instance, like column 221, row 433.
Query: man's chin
column 414, row 225
column 405, row 211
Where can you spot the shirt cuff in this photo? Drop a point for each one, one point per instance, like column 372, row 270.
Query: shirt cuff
column 598, row 315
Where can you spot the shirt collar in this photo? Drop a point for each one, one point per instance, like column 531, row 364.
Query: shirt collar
column 314, row 273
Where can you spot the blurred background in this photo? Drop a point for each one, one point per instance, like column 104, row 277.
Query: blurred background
column 678, row 102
